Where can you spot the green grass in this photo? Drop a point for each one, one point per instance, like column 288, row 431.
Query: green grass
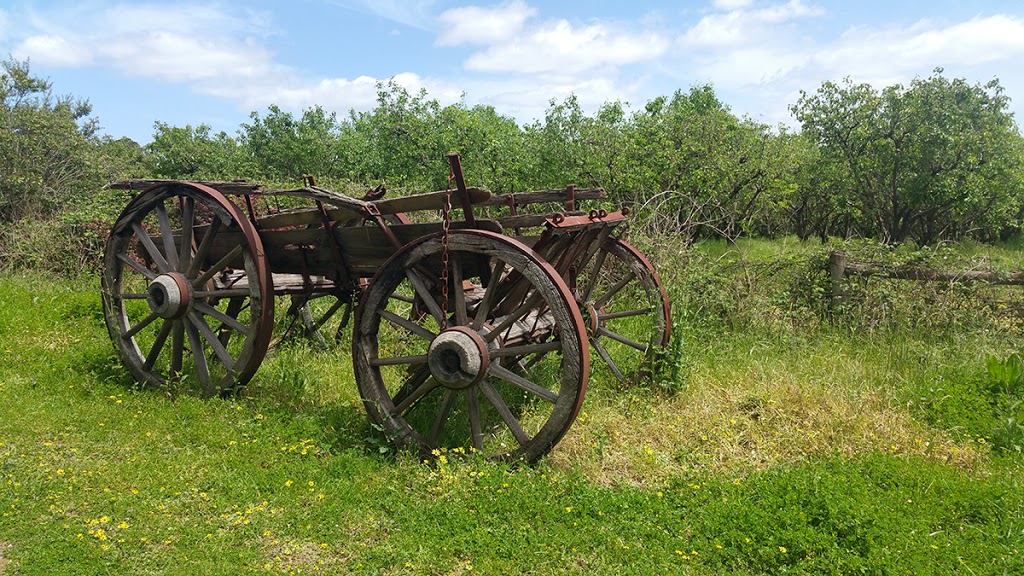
column 782, row 440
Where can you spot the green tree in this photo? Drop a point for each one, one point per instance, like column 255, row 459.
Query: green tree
column 697, row 168
column 191, row 153
column 939, row 159
column 279, row 146
column 46, row 155
column 403, row 143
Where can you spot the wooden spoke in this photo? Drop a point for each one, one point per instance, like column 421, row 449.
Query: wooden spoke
column 138, row 267
column 416, row 394
column 475, row 424
column 138, row 327
column 188, row 212
column 484, row 307
column 620, row 338
column 166, row 234
column 204, row 247
column 507, row 417
column 461, row 317
column 424, row 293
column 507, row 375
column 442, row 417
column 227, row 293
column 526, row 349
column 177, row 346
column 403, row 298
column 625, row 314
column 508, row 321
column 151, row 249
column 158, row 344
column 595, row 274
column 235, row 306
column 224, row 318
column 218, row 348
column 131, row 296
column 614, row 289
column 195, row 342
column 220, row 265
column 607, row 359
column 407, row 324
column 414, row 381
column 338, row 303
column 399, row 360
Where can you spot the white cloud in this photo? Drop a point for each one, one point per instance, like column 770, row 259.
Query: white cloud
column 529, row 101
column 476, row 25
column 174, row 44
column 558, row 48
column 874, row 55
column 50, row 50
column 759, row 58
column 186, row 58
column 741, row 26
column 338, row 94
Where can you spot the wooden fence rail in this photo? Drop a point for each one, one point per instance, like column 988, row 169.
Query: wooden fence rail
column 840, row 267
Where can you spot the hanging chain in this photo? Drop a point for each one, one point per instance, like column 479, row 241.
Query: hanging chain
column 446, row 222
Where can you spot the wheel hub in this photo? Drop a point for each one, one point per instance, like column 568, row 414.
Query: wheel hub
column 169, row 295
column 458, row 358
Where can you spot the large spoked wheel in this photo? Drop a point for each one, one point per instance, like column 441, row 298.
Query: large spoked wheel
column 626, row 309
column 187, row 292
column 500, row 367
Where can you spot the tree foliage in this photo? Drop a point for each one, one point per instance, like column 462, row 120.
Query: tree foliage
column 934, row 160
column 46, row 154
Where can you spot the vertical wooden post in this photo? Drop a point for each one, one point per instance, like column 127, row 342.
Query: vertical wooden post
column 837, row 270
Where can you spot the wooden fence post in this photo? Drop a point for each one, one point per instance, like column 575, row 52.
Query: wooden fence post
column 837, row 270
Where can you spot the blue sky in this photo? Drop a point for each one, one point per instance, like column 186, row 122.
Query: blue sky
column 215, row 62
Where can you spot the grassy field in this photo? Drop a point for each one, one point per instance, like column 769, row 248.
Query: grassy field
column 881, row 438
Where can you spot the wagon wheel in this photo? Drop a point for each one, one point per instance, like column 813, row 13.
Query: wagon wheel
column 626, row 309
column 187, row 292
column 505, row 378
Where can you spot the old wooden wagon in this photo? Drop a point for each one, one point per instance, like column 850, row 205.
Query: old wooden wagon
column 473, row 332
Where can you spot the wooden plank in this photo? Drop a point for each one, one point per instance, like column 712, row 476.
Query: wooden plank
column 429, row 201
column 539, row 196
column 928, row 274
column 222, row 187
column 329, row 197
column 308, row 216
